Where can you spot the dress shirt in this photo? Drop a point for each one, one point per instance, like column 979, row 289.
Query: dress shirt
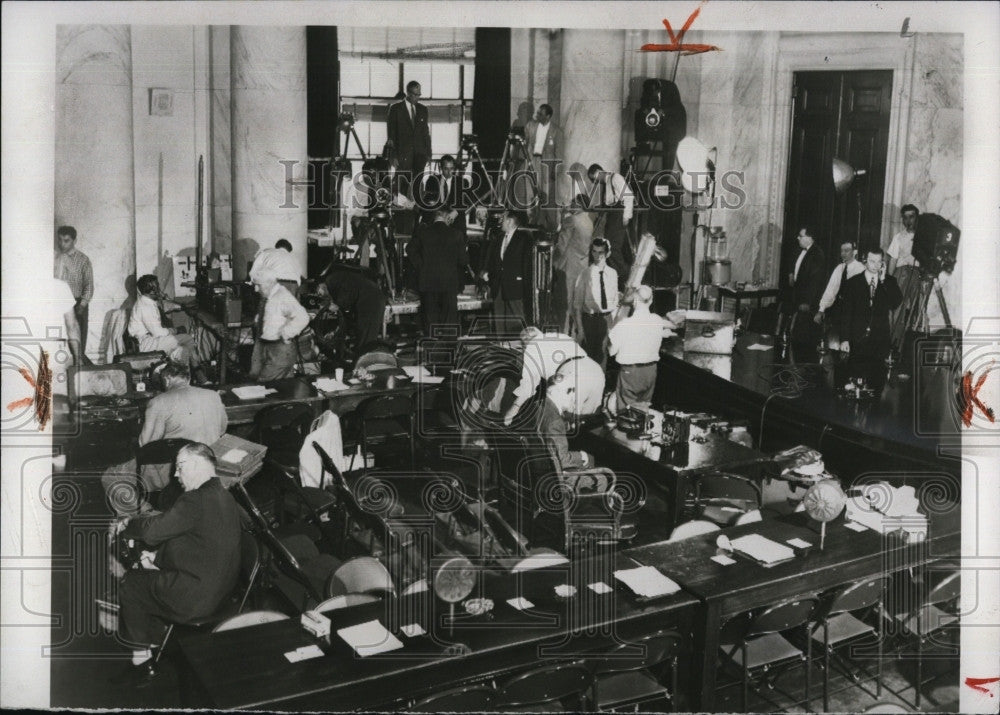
column 589, row 289
column 616, row 191
column 542, row 357
column 837, row 279
column 444, row 187
column 283, row 316
column 636, row 340
column 411, row 110
column 505, row 243
column 541, row 134
column 798, row 264
column 277, row 260
column 145, row 319
column 901, row 249
column 74, row 268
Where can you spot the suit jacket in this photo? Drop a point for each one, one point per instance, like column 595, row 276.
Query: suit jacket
column 552, row 429
column 811, row 280
column 409, row 139
column 553, row 140
column 199, row 550
column 510, row 277
column 438, row 255
column 454, row 200
column 865, row 317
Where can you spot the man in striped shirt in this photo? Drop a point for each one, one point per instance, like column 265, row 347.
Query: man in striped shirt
column 74, row 267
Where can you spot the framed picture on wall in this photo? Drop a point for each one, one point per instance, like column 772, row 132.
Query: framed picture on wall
column 161, row 102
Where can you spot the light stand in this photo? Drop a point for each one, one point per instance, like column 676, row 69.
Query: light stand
column 843, row 176
column 697, row 177
column 342, row 167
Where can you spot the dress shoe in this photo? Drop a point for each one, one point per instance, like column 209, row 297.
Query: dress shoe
column 136, row 676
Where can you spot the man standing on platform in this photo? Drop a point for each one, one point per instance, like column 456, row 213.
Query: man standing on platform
column 409, row 135
column 444, row 190
column 595, row 300
column 868, row 299
column 507, row 268
column 831, row 304
column 806, row 282
column 569, row 260
column 350, row 288
column 281, row 320
column 74, row 267
column 616, row 207
column 543, row 139
column 635, row 343
column 279, row 261
column 439, row 258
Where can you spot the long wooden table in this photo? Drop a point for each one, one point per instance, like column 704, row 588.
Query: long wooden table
column 247, row 669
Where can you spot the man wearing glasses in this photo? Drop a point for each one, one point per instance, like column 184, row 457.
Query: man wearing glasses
column 409, row 134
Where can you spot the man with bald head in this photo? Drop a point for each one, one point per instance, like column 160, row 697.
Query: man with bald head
column 635, row 344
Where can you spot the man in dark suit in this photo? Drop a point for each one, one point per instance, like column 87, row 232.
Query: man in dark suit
column 196, row 564
column 409, row 134
column 806, row 283
column 351, row 288
column 869, row 297
column 439, row 258
column 444, row 190
column 508, row 268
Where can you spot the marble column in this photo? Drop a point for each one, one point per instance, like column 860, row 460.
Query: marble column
column 591, row 99
column 270, row 167
column 94, row 174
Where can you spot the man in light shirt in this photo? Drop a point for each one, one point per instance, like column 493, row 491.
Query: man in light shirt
column 146, row 326
column 848, row 267
column 543, row 355
column 543, row 139
column 617, row 202
column 73, row 267
column 281, row 319
column 635, row 343
column 280, row 262
column 595, row 299
column 900, row 250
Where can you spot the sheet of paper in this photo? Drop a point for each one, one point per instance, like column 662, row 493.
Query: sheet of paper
column 412, row 630
column 855, row 526
column 369, row 638
column 798, row 543
column 252, row 392
column 600, row 588
column 762, row 549
column 304, row 653
column 416, row 371
column 540, row 560
column 647, row 581
column 329, row 384
column 234, row 456
column 760, row 346
column 520, row 603
column 723, row 560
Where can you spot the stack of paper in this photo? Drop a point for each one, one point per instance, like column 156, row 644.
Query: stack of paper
column 421, row 375
column 647, row 581
column 238, row 459
column 329, row 384
column 762, row 549
column 252, row 392
column 369, row 638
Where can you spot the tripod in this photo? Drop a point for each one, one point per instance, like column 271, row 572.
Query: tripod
column 342, row 169
column 515, row 153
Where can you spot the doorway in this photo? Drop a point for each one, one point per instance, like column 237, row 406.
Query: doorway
column 843, row 115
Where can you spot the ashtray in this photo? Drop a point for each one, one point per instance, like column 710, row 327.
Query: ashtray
column 478, row 606
column 564, row 590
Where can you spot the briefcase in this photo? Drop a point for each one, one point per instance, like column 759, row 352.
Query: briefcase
column 708, row 332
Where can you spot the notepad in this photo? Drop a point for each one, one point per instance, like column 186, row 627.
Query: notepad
column 234, row 456
column 369, row 638
column 412, row 630
column 520, row 603
column 723, row 560
column 647, row 581
column 600, row 588
column 252, row 392
column 304, row 653
column 855, row 526
column 799, row 543
column 329, row 384
column 762, row 549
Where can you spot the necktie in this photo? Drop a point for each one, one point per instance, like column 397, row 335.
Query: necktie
column 871, row 294
column 409, row 108
column 604, row 294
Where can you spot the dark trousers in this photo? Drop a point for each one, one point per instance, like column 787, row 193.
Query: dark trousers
column 595, row 331
column 867, row 361
column 141, row 619
column 440, row 308
column 370, row 317
column 635, row 384
column 620, row 257
column 82, row 317
column 509, row 314
column 277, row 360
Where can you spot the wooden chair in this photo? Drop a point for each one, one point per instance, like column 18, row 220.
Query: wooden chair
column 544, row 689
column 752, row 642
column 362, row 574
column 345, row 600
column 721, row 498
column 469, row 698
column 621, row 682
column 838, row 625
column 250, row 618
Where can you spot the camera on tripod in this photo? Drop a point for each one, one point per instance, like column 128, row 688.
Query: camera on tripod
column 381, row 208
column 470, row 142
column 345, row 122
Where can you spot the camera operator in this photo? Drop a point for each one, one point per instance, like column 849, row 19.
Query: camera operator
column 350, row 288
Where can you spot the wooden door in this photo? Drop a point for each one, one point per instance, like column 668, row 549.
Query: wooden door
column 841, row 115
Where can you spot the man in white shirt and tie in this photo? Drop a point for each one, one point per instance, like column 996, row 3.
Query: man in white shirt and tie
column 616, row 206
column 595, row 300
column 543, row 139
column 830, row 303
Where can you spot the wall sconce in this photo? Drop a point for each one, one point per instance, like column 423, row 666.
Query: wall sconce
column 161, row 102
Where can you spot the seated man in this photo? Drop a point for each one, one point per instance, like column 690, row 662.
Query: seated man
column 544, row 353
column 146, row 326
column 560, row 398
column 635, row 342
column 196, row 565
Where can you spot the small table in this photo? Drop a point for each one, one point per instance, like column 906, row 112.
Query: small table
column 410, row 307
column 757, row 293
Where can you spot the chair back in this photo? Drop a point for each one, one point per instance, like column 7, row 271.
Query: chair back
column 251, row 618
column 721, row 485
column 749, row 517
column 284, row 426
column 471, row 698
column 345, row 601
column 160, row 451
column 782, row 616
column 330, row 468
column 382, row 407
column 691, row 529
column 249, row 563
column 537, row 559
column 364, row 574
column 947, row 589
column 656, row 648
column 287, row 563
column 417, row 586
column 856, row 596
column 544, row 685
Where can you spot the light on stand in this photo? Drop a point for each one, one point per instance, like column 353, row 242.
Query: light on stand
column 697, row 164
column 843, row 176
